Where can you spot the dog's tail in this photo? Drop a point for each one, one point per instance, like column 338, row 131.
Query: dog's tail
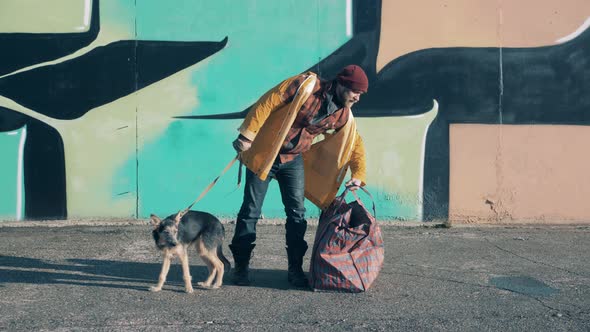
column 226, row 263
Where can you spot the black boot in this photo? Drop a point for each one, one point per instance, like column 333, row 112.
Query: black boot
column 242, row 256
column 296, row 276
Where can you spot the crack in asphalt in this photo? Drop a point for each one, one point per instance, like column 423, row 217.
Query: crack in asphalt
column 535, row 261
column 544, row 304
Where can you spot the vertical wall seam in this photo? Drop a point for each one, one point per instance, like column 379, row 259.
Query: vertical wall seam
column 499, row 208
column 318, row 70
column 136, row 119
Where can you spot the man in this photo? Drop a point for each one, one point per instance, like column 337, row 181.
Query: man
column 275, row 141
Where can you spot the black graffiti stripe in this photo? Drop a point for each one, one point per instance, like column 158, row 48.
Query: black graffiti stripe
column 69, row 89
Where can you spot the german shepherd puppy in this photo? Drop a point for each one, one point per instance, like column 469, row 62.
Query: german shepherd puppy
column 175, row 234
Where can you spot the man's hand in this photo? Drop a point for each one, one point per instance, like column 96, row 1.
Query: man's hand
column 241, row 144
column 353, row 184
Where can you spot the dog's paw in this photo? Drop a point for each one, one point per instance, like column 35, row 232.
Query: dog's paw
column 203, row 285
column 155, row 289
column 189, row 290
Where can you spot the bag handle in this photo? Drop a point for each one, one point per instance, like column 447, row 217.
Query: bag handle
column 359, row 200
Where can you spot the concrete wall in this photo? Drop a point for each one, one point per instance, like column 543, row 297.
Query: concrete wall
column 90, row 92
column 519, row 173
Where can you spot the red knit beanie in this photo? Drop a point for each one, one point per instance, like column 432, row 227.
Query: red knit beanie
column 354, row 78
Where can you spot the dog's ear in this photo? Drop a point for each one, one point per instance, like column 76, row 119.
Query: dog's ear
column 179, row 216
column 155, row 220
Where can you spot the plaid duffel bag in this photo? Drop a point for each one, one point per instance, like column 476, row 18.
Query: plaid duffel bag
column 348, row 247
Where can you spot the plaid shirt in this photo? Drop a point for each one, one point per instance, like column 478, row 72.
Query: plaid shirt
column 316, row 116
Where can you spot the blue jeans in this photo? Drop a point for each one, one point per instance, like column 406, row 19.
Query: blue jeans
column 290, row 177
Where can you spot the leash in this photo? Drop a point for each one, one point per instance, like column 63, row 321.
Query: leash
column 204, row 192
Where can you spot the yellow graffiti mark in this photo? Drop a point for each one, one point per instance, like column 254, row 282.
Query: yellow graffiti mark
column 395, row 148
column 100, row 142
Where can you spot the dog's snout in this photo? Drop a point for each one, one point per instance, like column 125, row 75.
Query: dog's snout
column 167, row 240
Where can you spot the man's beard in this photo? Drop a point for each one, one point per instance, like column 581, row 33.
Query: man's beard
column 349, row 104
column 344, row 102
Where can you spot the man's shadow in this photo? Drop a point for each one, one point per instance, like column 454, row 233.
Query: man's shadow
column 119, row 274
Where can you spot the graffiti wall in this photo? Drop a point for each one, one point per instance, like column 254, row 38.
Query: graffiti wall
column 122, row 108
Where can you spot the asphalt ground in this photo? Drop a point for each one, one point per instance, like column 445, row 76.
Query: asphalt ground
column 56, row 276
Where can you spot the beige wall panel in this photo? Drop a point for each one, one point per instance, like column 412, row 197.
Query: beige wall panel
column 45, row 16
column 519, row 173
column 408, row 26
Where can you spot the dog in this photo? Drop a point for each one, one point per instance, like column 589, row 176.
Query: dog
column 175, row 234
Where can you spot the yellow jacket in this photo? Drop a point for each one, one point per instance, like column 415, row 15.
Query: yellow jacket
column 328, row 159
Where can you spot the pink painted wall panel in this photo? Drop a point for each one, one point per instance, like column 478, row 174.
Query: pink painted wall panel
column 519, row 173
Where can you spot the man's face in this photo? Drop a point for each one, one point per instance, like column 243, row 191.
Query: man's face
column 346, row 96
